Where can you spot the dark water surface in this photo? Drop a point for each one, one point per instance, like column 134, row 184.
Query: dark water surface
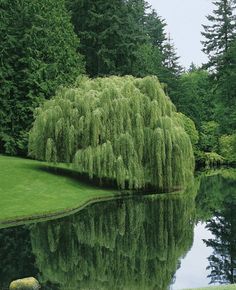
column 159, row 242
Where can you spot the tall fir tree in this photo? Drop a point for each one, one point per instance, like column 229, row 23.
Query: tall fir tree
column 171, row 69
column 149, row 57
column 110, row 33
column 220, row 32
column 219, row 45
column 155, row 27
column 226, row 92
column 171, row 60
column 124, row 37
column 38, row 53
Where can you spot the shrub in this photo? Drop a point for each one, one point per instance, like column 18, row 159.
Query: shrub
column 228, row 147
column 209, row 136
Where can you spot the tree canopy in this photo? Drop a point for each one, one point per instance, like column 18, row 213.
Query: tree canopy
column 121, row 129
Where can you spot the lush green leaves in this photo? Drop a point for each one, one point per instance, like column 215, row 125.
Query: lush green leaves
column 121, row 129
column 228, row 147
column 195, row 96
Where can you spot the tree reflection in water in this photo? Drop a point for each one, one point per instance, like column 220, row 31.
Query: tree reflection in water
column 125, row 244
column 222, row 262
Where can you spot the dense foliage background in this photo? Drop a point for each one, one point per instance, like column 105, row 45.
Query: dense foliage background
column 38, row 53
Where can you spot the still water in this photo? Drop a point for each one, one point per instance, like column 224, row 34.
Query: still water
column 159, row 242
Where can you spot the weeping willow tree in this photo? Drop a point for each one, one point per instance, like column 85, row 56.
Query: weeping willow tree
column 131, row 244
column 121, row 129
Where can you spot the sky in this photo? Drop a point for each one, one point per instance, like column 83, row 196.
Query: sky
column 184, row 19
column 193, row 273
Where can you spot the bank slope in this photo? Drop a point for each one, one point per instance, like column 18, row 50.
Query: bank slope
column 31, row 190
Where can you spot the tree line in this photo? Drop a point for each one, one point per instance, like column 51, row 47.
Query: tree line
column 47, row 44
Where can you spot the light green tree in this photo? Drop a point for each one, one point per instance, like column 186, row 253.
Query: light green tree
column 120, row 128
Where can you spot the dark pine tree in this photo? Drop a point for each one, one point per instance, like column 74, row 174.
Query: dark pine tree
column 155, row 27
column 226, row 92
column 220, row 32
column 38, row 53
column 171, row 69
column 149, row 56
column 110, row 33
column 219, row 45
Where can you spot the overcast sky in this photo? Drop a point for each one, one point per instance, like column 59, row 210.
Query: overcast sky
column 184, row 19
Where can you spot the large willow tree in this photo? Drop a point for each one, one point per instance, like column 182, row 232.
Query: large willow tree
column 118, row 129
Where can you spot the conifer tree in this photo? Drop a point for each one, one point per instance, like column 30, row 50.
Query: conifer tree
column 149, row 57
column 118, row 37
column 155, row 27
column 110, row 33
column 219, row 45
column 171, row 61
column 220, row 32
column 226, row 92
column 171, row 70
column 38, row 53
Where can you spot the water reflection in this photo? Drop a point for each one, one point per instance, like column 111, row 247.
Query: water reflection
column 125, row 244
column 134, row 243
column 16, row 256
column 222, row 263
column 213, row 257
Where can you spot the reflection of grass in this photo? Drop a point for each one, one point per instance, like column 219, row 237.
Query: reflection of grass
column 29, row 188
column 229, row 173
column 225, row 287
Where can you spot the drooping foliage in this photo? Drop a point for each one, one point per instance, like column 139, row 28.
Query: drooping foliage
column 124, row 244
column 38, row 54
column 119, row 129
column 189, row 127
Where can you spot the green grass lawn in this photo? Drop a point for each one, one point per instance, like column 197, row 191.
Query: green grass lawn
column 225, row 287
column 28, row 188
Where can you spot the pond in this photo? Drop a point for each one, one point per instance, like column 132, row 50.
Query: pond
column 160, row 242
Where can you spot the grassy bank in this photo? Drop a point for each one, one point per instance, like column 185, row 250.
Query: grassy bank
column 225, row 287
column 30, row 189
